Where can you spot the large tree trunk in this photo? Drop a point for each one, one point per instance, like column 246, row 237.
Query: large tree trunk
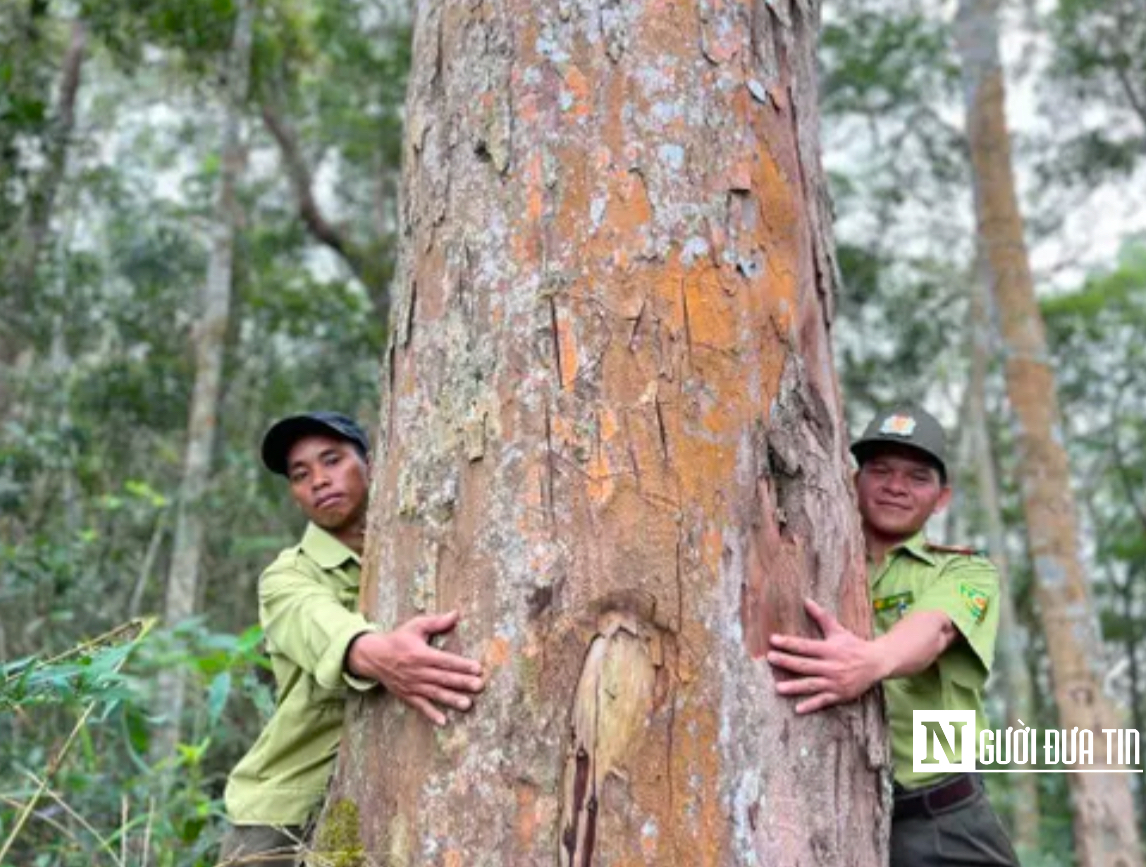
column 1011, row 646
column 210, row 342
column 611, row 436
column 1104, row 828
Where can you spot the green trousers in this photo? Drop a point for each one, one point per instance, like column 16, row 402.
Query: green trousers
column 968, row 834
column 261, row 846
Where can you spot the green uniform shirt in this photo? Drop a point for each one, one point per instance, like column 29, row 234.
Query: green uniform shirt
column 917, row 576
column 308, row 608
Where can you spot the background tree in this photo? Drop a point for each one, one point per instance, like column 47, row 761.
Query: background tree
column 1103, row 805
column 210, row 331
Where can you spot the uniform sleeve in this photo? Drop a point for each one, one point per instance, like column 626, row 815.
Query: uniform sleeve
column 967, row 591
column 305, row 621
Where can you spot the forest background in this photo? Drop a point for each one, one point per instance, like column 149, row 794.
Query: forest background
column 198, row 224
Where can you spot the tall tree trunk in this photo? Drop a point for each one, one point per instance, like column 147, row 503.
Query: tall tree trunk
column 209, row 337
column 1104, row 828
column 1011, row 647
column 19, row 269
column 611, row 436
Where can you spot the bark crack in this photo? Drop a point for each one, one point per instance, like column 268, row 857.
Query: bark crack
column 637, row 325
column 632, row 451
column 661, row 428
column 687, row 322
column 552, row 470
column 556, row 341
column 408, row 331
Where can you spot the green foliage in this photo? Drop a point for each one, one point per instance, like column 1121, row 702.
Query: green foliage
column 1099, row 63
column 110, row 794
column 93, row 418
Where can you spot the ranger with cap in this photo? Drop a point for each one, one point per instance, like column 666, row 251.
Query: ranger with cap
column 321, row 647
column 936, row 613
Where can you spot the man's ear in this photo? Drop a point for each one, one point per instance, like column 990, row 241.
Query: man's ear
column 942, row 502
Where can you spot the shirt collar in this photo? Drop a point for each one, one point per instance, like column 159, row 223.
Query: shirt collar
column 916, row 546
column 325, row 549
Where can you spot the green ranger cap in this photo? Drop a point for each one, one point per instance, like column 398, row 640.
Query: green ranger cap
column 905, row 426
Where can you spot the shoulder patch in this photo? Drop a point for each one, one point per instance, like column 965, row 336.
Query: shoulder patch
column 975, row 600
column 964, row 550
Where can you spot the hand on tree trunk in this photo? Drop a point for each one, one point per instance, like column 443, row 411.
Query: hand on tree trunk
column 838, row 668
column 414, row 671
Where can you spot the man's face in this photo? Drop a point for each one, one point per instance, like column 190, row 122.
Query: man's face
column 898, row 491
column 329, row 480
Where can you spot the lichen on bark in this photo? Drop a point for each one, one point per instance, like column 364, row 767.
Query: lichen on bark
column 615, row 245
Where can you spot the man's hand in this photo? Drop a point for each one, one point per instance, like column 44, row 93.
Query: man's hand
column 415, row 672
column 838, row 668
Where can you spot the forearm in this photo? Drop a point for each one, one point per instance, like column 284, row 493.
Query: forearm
column 913, row 644
column 308, row 624
column 364, row 653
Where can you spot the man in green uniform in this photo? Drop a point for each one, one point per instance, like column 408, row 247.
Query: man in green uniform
column 321, row 647
column 936, row 614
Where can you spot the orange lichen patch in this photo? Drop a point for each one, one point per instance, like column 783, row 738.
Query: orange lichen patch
column 695, row 767
column 678, row 802
column 599, row 467
column 535, row 199
column 526, row 243
column 526, row 825
column 567, row 349
column 578, row 86
column 714, row 319
column 496, row 652
column 630, row 209
column 608, row 425
column 616, row 91
column 602, row 159
column 563, row 433
column 573, row 209
column 739, row 175
column 711, row 547
column 649, row 841
column 452, row 858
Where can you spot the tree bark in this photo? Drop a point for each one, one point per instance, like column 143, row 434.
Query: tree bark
column 1011, row 645
column 611, row 436
column 1103, row 809
column 210, row 343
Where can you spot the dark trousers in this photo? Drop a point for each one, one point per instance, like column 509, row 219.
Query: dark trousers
column 967, row 834
column 261, row 846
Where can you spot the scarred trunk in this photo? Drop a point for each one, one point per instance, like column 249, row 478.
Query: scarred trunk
column 611, row 436
column 1104, row 829
column 1011, row 646
column 210, row 335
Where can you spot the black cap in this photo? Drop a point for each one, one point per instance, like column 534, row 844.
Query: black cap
column 284, row 433
column 905, row 426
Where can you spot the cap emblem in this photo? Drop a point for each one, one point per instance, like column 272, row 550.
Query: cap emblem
column 898, row 425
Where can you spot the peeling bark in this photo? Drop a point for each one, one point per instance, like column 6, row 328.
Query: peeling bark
column 1103, row 808
column 614, row 220
column 210, row 333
